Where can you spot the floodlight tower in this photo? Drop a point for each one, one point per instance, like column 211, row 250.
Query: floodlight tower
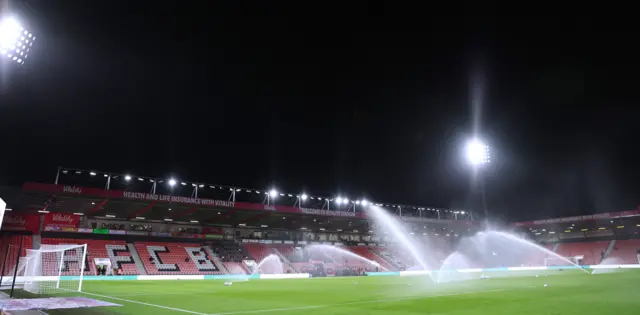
column 15, row 41
column 478, row 155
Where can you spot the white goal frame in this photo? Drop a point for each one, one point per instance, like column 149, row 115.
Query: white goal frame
column 575, row 259
column 43, row 272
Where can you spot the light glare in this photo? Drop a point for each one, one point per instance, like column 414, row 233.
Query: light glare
column 477, row 152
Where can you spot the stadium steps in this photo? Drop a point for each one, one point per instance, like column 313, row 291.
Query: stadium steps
column 136, row 259
column 216, row 260
column 611, row 246
column 389, row 261
column 626, row 251
column 236, row 268
column 36, row 241
column 285, row 260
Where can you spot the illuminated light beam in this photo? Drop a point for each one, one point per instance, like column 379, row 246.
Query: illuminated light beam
column 257, row 217
column 97, row 207
column 225, row 216
column 186, row 212
column 143, row 210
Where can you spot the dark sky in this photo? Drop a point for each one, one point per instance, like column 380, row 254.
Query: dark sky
column 357, row 99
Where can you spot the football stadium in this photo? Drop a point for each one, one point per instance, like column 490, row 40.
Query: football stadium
column 103, row 243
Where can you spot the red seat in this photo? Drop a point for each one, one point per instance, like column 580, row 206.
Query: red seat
column 626, row 251
column 117, row 251
column 175, row 259
column 592, row 251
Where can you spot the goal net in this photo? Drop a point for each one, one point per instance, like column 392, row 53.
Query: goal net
column 54, row 269
column 562, row 261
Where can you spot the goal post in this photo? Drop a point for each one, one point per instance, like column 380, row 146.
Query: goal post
column 562, row 261
column 55, row 269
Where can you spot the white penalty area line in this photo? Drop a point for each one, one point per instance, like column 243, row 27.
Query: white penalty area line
column 354, row 303
column 146, row 304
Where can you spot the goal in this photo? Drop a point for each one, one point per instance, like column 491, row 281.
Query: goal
column 562, row 261
column 54, row 269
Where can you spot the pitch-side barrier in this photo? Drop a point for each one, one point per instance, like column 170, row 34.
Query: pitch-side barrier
column 7, row 280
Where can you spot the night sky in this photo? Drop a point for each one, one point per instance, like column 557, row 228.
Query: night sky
column 360, row 100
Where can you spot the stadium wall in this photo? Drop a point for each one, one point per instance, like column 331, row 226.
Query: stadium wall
column 306, row 275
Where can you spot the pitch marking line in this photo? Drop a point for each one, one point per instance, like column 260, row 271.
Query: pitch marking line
column 146, row 304
column 354, row 303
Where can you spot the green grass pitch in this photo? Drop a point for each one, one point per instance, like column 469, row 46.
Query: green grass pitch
column 567, row 292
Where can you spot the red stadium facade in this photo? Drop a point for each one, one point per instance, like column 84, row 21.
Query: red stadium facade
column 198, row 229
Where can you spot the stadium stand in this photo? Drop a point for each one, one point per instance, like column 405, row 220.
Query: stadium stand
column 10, row 256
column 175, row 259
column 592, row 251
column 626, row 251
column 116, row 251
column 236, row 268
column 258, row 251
column 366, row 253
column 230, row 251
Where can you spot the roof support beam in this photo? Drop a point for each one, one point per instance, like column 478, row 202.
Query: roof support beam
column 145, row 209
column 186, row 212
column 98, row 207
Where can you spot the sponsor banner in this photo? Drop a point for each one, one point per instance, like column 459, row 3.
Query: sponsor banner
column 85, row 230
column 430, row 220
column 60, row 221
column 409, row 273
column 330, row 212
column 601, row 216
column 160, row 234
column 213, row 236
column 117, row 232
column 21, row 222
column 137, row 233
column 386, row 273
column 102, row 261
column 286, row 276
column 100, row 231
column 69, row 229
column 212, row 230
column 231, row 277
column 98, row 192
column 176, row 277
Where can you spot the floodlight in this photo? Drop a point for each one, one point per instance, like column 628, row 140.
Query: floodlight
column 357, row 202
column 345, row 201
column 92, row 173
column 364, row 202
column 127, row 178
column 339, row 200
column 273, row 193
column 477, row 152
column 461, row 212
column 303, row 196
column 172, row 182
column 15, row 41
